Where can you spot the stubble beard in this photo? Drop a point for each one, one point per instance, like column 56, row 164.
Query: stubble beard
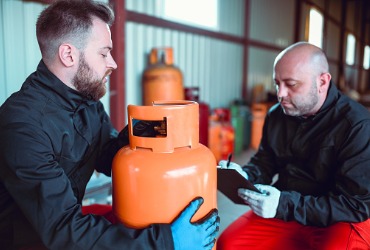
column 303, row 105
column 87, row 83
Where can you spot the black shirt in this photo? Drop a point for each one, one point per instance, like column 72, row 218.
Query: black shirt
column 322, row 162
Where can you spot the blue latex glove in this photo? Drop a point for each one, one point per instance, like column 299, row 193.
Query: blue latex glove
column 265, row 204
column 233, row 165
column 198, row 235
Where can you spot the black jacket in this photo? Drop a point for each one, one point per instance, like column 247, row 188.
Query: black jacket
column 52, row 139
column 323, row 162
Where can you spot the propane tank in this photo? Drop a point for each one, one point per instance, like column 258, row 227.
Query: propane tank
column 221, row 134
column 259, row 111
column 162, row 80
column 155, row 178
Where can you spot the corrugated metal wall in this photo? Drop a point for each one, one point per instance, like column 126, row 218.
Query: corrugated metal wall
column 230, row 12
column 19, row 52
column 215, row 66
column 273, row 24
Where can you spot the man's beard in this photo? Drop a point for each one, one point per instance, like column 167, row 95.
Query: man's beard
column 87, row 83
column 303, row 105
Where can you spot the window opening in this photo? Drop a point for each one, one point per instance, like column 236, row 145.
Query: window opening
column 367, row 57
column 315, row 28
column 350, row 50
column 202, row 13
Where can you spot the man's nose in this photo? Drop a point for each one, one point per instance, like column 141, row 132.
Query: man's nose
column 111, row 63
column 282, row 91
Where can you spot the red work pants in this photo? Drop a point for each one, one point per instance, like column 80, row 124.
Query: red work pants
column 252, row 232
column 102, row 210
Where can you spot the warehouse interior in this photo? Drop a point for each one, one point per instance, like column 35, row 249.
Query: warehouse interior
column 225, row 59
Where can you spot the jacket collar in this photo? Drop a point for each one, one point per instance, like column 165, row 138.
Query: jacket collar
column 60, row 93
column 331, row 98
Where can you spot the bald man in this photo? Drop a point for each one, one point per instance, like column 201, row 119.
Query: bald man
column 317, row 141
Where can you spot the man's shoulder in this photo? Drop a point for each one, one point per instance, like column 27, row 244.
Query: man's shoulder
column 351, row 110
column 23, row 106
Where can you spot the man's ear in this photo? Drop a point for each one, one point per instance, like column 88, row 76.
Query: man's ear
column 67, row 54
column 324, row 82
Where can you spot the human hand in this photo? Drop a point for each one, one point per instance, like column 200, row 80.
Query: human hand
column 198, row 235
column 265, row 204
column 233, row 165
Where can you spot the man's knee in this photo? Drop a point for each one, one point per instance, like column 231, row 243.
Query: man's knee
column 227, row 241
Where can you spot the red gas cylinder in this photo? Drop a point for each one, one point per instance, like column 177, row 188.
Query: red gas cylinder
column 192, row 94
column 221, row 134
column 155, row 178
column 161, row 79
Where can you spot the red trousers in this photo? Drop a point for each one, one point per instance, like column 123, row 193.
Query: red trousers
column 252, row 232
column 100, row 209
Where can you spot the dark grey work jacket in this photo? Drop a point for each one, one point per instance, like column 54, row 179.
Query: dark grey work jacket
column 323, row 162
column 52, row 139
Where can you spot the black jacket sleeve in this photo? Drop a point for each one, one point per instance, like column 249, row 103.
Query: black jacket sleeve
column 40, row 189
column 262, row 166
column 348, row 199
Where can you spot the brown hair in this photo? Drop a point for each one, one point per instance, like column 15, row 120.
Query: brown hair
column 68, row 21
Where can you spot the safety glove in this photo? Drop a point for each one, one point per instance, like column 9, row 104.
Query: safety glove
column 233, row 165
column 197, row 235
column 263, row 204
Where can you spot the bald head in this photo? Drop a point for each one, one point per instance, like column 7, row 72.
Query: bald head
column 302, row 79
column 306, row 54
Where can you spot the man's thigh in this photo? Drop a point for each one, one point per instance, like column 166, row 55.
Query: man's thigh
column 253, row 232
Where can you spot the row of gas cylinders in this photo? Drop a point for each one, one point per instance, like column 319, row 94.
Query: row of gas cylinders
column 237, row 128
column 224, row 130
column 156, row 176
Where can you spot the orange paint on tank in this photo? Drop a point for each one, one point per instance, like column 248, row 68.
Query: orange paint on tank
column 155, row 178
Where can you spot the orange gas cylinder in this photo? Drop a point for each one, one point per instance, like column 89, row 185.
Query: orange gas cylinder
column 259, row 111
column 221, row 134
column 162, row 80
column 155, row 178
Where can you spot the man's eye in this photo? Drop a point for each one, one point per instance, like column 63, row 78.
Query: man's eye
column 291, row 84
column 104, row 55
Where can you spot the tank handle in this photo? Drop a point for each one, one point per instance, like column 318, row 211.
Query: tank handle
column 163, row 55
column 182, row 125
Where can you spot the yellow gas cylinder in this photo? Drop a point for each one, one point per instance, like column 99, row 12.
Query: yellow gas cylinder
column 155, row 178
column 162, row 80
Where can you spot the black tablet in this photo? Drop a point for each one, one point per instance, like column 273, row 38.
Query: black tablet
column 229, row 181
